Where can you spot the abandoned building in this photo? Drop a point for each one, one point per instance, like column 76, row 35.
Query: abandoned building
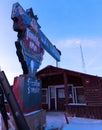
column 76, row 93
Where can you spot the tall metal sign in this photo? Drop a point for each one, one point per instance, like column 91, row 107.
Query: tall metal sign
column 30, row 47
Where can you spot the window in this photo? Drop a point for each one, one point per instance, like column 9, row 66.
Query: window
column 79, row 94
column 61, row 93
column 76, row 94
column 70, row 93
column 44, row 95
column 52, row 92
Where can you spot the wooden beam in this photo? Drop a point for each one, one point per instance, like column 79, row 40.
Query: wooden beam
column 50, row 74
column 65, row 86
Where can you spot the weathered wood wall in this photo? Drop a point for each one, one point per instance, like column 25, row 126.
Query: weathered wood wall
column 94, row 112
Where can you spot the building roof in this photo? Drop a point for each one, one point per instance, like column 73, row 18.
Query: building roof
column 52, row 70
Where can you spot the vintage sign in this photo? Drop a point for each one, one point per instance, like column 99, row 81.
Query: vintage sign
column 25, row 23
column 30, row 47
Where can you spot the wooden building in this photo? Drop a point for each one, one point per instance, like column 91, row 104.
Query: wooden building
column 78, row 93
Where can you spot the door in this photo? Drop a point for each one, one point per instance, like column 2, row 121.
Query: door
column 52, row 102
column 56, row 96
column 60, row 99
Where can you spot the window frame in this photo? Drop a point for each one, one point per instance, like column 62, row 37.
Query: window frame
column 74, row 94
column 44, row 95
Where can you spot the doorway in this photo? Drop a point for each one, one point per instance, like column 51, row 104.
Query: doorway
column 56, row 96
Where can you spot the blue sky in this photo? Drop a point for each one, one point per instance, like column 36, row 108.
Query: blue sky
column 67, row 24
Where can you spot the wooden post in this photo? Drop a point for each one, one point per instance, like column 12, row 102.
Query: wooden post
column 65, row 87
column 66, row 117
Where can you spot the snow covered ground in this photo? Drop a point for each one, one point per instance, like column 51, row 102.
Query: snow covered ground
column 56, row 121
column 83, row 124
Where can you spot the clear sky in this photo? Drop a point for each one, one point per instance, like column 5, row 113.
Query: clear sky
column 67, row 24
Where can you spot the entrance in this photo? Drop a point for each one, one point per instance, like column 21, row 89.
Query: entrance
column 60, row 99
column 56, row 98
